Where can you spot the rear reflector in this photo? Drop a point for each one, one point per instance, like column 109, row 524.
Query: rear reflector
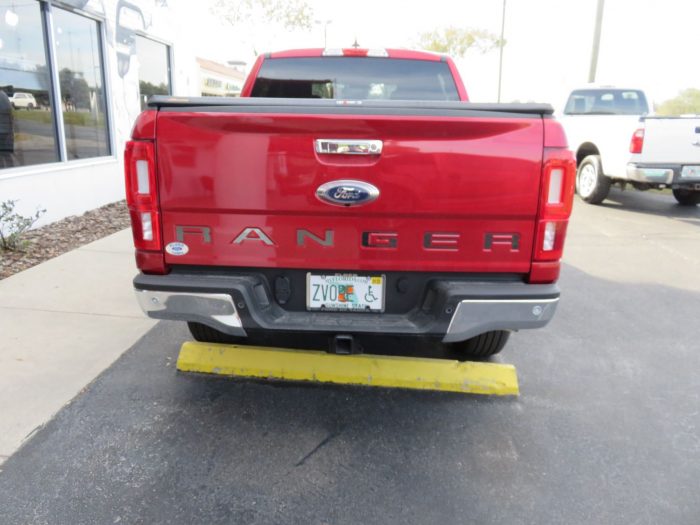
column 544, row 272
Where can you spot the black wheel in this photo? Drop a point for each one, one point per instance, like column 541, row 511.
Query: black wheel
column 30, row 106
column 687, row 197
column 482, row 346
column 591, row 185
column 207, row 334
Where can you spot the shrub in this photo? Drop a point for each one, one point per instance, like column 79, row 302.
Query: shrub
column 13, row 226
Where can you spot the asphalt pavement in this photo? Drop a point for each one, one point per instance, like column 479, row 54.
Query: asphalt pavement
column 606, row 429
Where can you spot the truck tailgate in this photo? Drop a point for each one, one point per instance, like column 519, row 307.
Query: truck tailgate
column 671, row 140
column 458, row 190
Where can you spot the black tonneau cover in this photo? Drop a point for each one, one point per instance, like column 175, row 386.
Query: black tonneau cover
column 332, row 106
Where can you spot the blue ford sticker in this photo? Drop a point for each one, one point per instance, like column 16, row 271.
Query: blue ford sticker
column 347, row 192
column 177, row 248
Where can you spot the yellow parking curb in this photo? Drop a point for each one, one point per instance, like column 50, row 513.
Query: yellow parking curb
column 370, row 370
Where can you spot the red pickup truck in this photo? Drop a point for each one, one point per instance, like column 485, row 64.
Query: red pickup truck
column 350, row 193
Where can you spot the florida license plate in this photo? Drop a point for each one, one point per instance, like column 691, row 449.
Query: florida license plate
column 345, row 292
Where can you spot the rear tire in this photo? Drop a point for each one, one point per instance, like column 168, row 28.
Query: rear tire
column 591, row 185
column 687, row 197
column 482, row 346
column 207, row 334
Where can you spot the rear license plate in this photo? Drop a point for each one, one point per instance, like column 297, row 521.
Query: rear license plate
column 690, row 172
column 345, row 292
column 655, row 173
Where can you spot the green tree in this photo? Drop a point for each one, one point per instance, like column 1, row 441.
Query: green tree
column 74, row 89
column 456, row 41
column 147, row 88
column 687, row 101
column 291, row 14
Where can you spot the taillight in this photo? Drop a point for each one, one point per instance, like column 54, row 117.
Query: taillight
column 142, row 201
column 637, row 142
column 556, row 199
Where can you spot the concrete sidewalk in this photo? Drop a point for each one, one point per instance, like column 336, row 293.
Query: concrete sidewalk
column 61, row 324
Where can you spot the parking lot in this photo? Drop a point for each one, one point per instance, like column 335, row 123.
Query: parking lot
column 606, row 429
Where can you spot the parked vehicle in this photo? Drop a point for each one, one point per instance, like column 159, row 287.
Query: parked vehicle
column 7, row 130
column 599, row 122
column 23, row 100
column 665, row 153
column 372, row 198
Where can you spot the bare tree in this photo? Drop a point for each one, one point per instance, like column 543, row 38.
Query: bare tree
column 290, row 14
column 456, row 41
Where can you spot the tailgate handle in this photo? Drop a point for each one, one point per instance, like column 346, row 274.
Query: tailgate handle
column 348, row 147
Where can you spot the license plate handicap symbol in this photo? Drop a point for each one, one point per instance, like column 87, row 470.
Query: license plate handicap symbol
column 352, row 293
column 690, row 172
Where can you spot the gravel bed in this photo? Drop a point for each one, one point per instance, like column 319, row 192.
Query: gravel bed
column 67, row 234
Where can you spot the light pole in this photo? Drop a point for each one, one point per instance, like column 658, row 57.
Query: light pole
column 500, row 52
column 596, row 41
column 325, row 30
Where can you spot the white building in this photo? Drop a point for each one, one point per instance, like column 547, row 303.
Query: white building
column 218, row 80
column 89, row 64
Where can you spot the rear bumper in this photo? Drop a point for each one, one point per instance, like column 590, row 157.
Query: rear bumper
column 669, row 174
column 452, row 310
column 650, row 174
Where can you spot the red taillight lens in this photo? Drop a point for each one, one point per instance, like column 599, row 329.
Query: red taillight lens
column 556, row 200
column 637, row 142
column 142, row 195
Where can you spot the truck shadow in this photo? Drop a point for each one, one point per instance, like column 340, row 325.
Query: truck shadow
column 651, row 202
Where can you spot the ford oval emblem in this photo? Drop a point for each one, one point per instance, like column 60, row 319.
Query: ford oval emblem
column 347, row 192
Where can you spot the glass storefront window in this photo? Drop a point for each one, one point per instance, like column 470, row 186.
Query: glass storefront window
column 154, row 69
column 27, row 127
column 77, row 41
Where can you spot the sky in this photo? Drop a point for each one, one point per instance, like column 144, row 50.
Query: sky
column 645, row 43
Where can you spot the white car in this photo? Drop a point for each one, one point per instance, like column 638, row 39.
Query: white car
column 23, row 100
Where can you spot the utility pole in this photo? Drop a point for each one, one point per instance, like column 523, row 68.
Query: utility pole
column 596, row 41
column 500, row 55
column 325, row 30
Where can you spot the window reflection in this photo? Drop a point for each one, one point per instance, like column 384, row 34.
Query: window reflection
column 154, row 69
column 80, row 76
column 27, row 129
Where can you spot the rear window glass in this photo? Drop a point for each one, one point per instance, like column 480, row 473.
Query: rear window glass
column 355, row 78
column 606, row 102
